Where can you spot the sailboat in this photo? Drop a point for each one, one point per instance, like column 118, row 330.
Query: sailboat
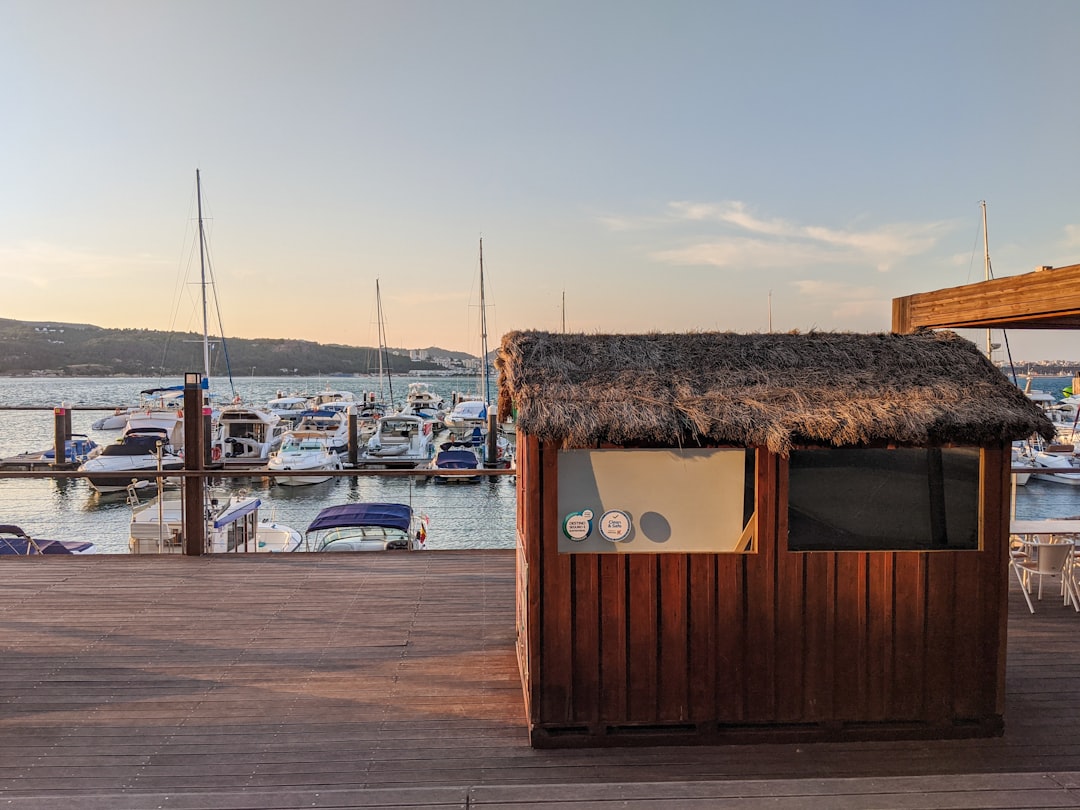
column 469, row 419
column 153, row 437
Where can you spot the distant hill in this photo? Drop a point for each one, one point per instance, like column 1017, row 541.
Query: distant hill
column 49, row 348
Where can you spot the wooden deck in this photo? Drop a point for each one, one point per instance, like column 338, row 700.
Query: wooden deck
column 391, row 680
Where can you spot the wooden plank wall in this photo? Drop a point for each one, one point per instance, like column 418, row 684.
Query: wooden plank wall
column 643, row 648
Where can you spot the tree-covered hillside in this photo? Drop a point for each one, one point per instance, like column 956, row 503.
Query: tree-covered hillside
column 49, row 348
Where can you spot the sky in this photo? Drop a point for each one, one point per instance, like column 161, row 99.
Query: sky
column 630, row 166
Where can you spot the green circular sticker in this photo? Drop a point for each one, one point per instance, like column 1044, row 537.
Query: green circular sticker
column 577, row 526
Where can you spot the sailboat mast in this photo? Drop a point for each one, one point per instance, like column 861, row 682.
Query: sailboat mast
column 202, row 277
column 986, row 273
column 382, row 349
column 483, row 331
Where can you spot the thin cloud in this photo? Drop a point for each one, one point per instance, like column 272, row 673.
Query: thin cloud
column 1072, row 236
column 744, row 253
column 742, row 239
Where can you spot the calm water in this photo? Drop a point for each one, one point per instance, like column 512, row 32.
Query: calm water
column 461, row 516
column 477, row 515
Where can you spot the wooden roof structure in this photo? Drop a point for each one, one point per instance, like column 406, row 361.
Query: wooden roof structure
column 1047, row 298
column 771, row 390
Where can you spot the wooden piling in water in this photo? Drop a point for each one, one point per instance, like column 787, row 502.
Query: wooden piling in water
column 194, row 525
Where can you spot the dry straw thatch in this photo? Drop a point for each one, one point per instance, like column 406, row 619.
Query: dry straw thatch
column 771, row 390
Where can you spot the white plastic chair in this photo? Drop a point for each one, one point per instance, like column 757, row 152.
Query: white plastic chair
column 1048, row 560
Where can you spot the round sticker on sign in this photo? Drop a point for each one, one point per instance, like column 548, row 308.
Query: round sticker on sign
column 615, row 525
column 578, row 525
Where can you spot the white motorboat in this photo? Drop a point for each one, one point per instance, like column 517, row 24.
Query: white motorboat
column 328, row 396
column 247, row 435
column 232, row 525
column 169, row 398
column 467, row 415
column 366, row 527
column 1023, row 455
column 114, row 467
column 400, row 440
column 169, row 422
column 303, row 451
column 331, row 425
column 422, row 400
column 1057, row 468
column 288, row 409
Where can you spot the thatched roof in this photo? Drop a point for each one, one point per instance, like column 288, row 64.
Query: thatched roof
column 775, row 390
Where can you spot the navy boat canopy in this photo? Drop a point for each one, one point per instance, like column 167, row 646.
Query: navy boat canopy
column 456, row 460
column 386, row 515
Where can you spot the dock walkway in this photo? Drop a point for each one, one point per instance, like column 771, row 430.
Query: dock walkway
column 390, row 680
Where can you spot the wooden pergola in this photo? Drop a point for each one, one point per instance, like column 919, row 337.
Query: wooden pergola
column 1047, row 298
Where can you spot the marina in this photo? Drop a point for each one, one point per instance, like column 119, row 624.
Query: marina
column 464, row 517
column 479, row 516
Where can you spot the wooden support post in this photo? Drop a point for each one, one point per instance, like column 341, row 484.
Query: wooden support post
column 491, row 453
column 354, row 449
column 60, row 434
column 194, row 522
column 207, row 436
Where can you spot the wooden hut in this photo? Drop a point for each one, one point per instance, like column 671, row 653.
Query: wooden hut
column 764, row 537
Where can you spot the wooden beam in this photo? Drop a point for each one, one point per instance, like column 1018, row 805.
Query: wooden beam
column 1048, row 298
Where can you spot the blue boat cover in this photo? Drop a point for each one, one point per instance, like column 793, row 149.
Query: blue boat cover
column 456, row 460
column 386, row 515
column 15, row 542
column 234, row 515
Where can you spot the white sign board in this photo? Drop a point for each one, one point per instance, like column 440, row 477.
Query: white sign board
column 666, row 500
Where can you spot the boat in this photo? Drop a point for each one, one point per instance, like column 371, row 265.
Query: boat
column 1023, row 456
column 453, row 455
column 114, row 467
column 466, row 416
column 15, row 542
column 400, row 440
column 288, row 408
column 368, row 413
column 422, row 400
column 1057, row 468
column 232, row 525
column 328, row 396
column 303, row 451
column 469, row 419
column 167, row 421
column 77, row 448
column 167, row 398
column 366, row 527
column 331, row 425
column 247, row 435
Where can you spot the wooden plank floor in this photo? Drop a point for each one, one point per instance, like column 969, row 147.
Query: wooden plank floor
column 273, row 681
